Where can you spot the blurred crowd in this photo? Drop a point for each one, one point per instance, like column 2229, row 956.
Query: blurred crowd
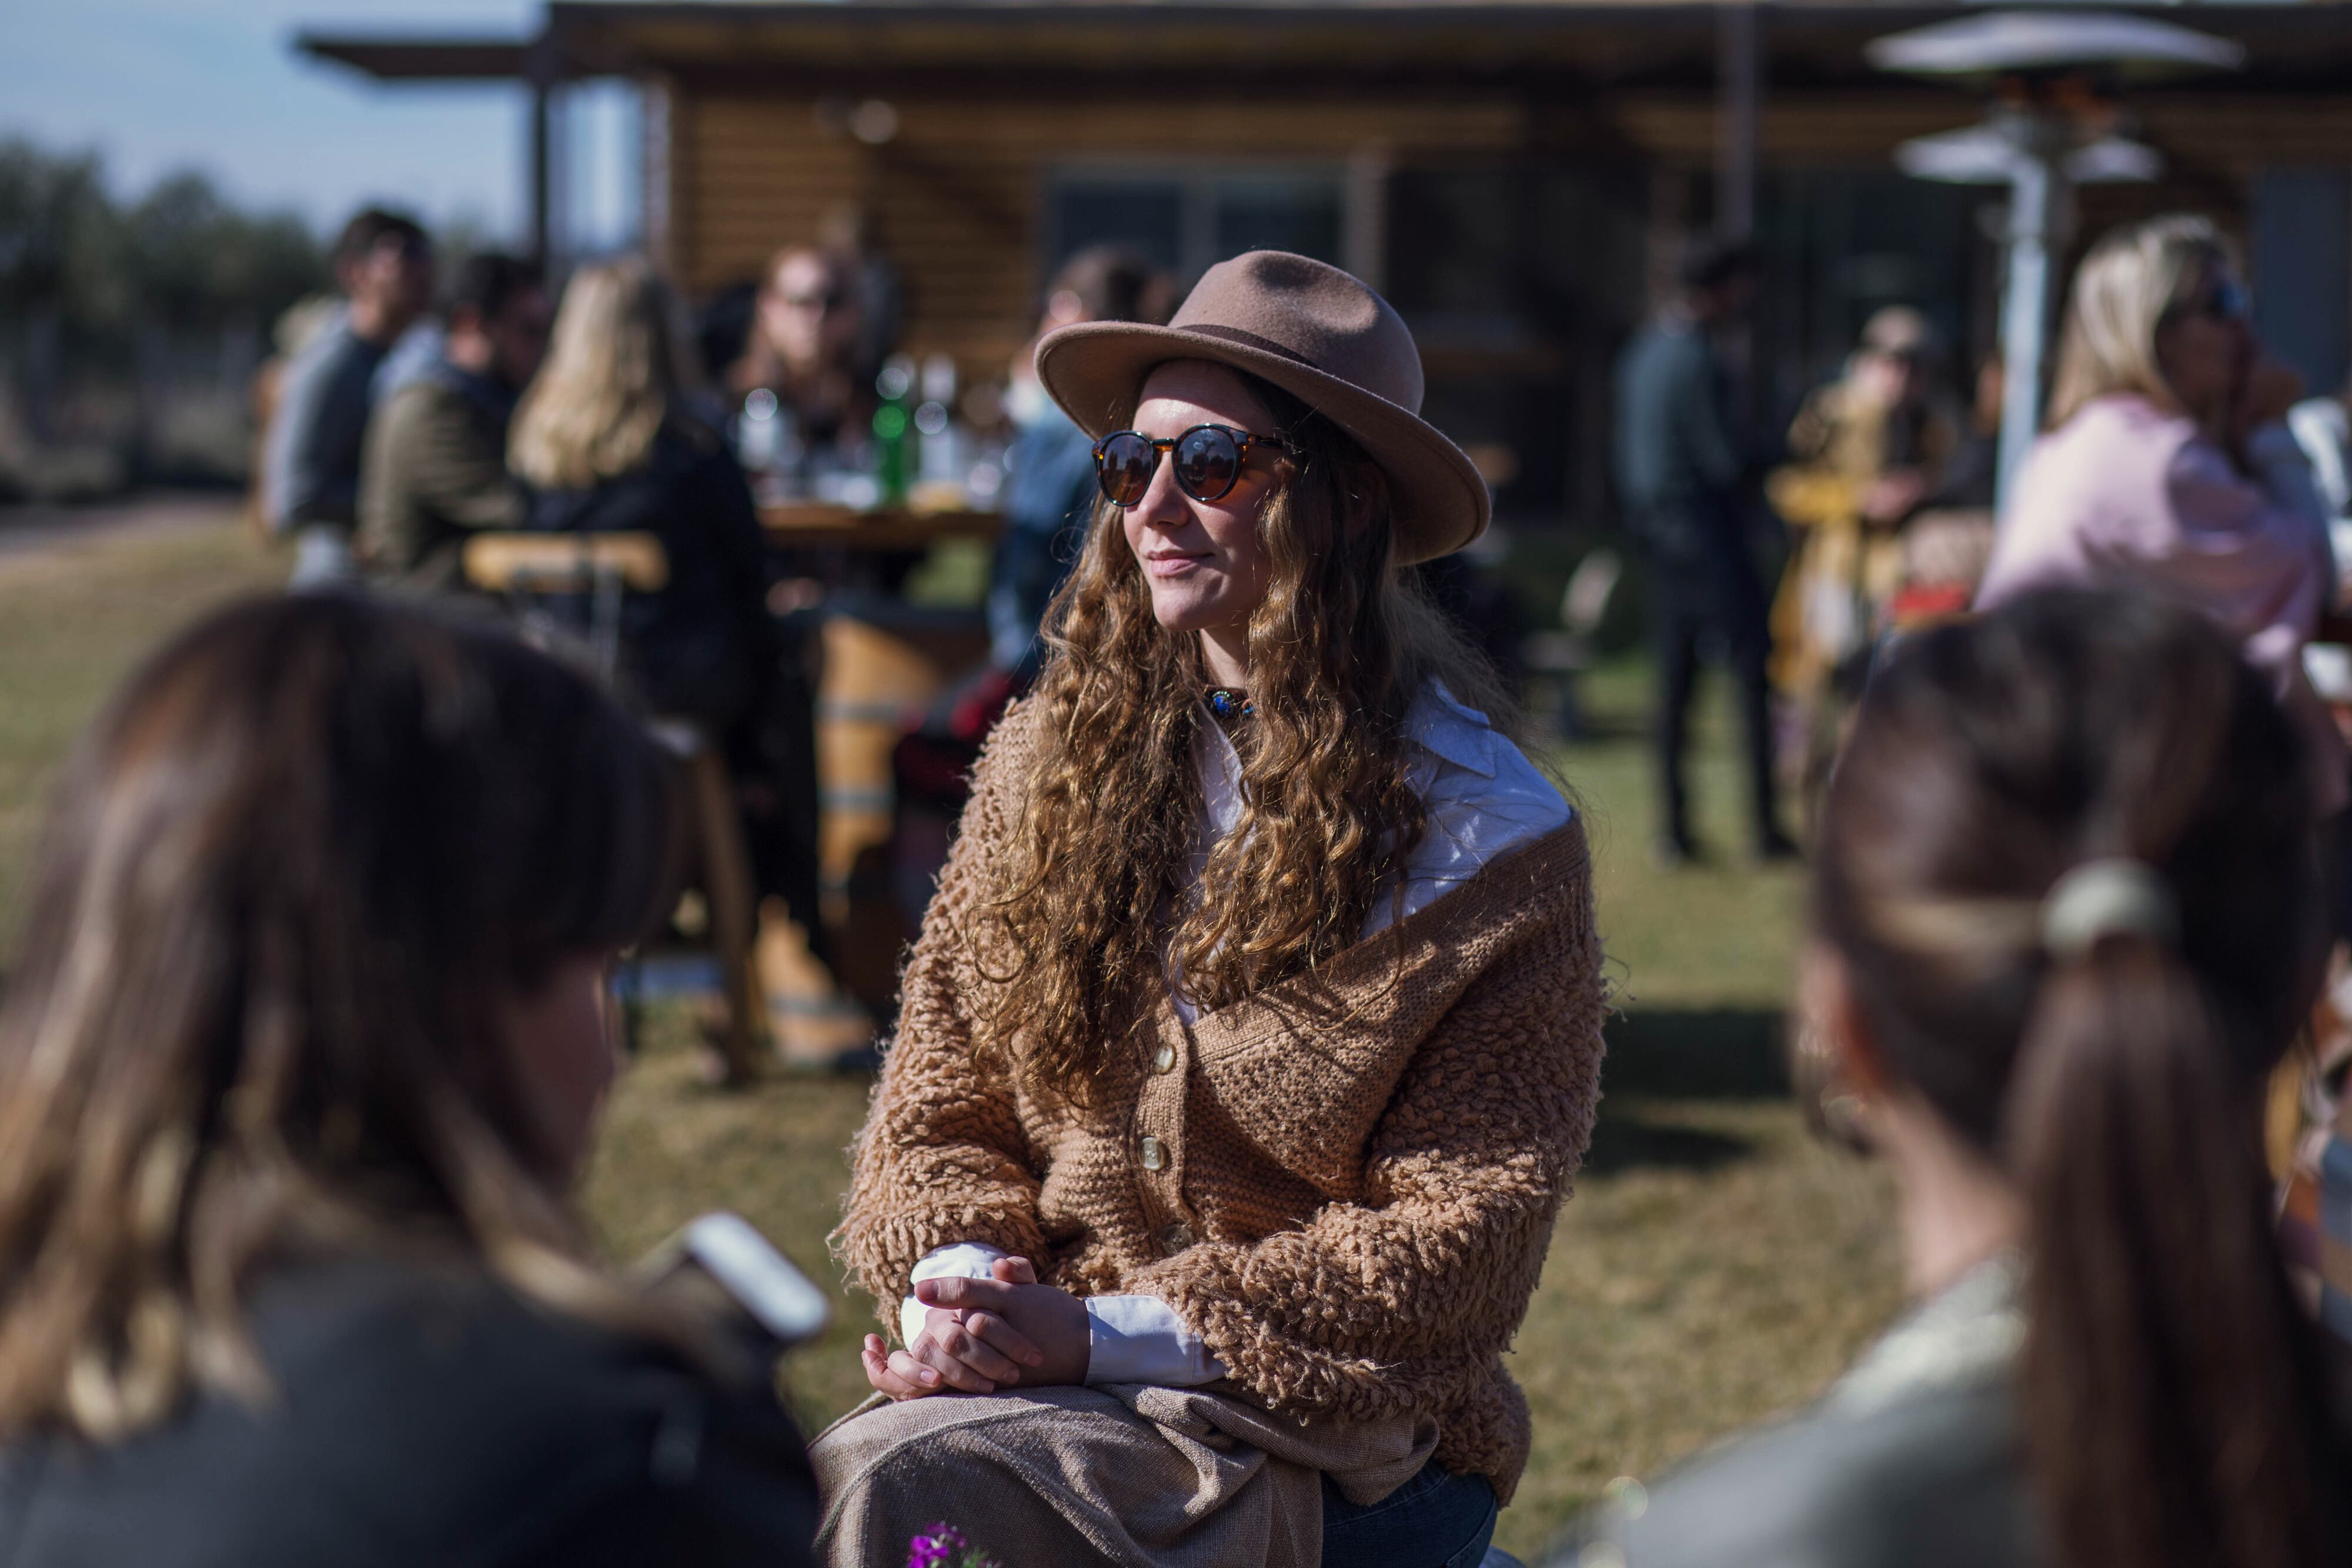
column 2177, row 459
column 1203, row 1212
column 1800, row 556
column 429, row 406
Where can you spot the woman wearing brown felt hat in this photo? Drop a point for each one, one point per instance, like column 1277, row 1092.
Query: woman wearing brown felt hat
column 1253, row 1034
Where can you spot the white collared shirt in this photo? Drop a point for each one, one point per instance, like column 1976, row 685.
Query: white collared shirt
column 1484, row 799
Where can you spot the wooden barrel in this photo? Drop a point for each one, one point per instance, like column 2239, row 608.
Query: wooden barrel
column 813, row 1020
column 883, row 662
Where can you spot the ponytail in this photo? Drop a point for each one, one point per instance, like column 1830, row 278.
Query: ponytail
column 2172, row 1399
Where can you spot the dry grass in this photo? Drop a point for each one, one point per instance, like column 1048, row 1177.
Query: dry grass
column 73, row 619
column 1715, row 1267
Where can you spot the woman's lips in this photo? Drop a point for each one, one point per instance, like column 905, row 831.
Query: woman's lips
column 1172, row 565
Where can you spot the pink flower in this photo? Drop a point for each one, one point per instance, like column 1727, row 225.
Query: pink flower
column 943, row 1546
column 936, row 1547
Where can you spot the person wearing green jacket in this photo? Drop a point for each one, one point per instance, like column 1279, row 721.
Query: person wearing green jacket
column 434, row 469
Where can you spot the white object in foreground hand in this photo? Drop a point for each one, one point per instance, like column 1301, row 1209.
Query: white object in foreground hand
column 762, row 1280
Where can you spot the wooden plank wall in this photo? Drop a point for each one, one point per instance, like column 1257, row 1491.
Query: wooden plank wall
column 953, row 197
column 2214, row 144
column 952, row 200
column 2235, row 133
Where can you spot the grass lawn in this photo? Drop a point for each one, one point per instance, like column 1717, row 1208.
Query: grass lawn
column 1715, row 1267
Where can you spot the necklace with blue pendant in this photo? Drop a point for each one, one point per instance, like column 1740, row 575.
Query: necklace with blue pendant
column 1227, row 705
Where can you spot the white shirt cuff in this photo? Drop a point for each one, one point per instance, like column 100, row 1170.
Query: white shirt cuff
column 1140, row 1339
column 1129, row 1339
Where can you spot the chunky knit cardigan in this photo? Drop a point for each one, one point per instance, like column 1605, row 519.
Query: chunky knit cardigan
column 1345, row 1183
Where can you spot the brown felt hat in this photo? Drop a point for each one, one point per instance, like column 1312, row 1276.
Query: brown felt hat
column 1319, row 335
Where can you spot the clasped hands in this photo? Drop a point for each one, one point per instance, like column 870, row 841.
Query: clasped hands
column 981, row 1334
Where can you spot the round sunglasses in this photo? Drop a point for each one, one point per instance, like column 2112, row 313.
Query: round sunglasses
column 1208, row 460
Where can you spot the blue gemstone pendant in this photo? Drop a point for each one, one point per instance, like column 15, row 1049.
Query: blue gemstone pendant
column 1227, row 705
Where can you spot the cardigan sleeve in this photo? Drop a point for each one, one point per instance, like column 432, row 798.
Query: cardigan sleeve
column 942, row 1158
column 1393, row 1304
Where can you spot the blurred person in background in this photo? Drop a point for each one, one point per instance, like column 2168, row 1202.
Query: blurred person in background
column 1866, row 452
column 846, row 230
column 1049, row 491
column 1681, row 477
column 2322, row 428
column 310, row 489
column 288, row 336
column 611, row 438
column 436, row 460
column 300, row 1065
column 1945, row 544
column 2067, row 918
column 609, row 442
column 2167, row 465
column 1048, row 498
column 809, row 346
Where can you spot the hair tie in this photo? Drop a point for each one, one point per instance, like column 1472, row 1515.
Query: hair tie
column 2108, row 898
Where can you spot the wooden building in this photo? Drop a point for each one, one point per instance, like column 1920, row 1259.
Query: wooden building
column 1509, row 173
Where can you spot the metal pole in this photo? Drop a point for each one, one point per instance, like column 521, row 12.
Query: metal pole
column 541, row 236
column 2035, row 194
column 541, row 67
column 1739, row 89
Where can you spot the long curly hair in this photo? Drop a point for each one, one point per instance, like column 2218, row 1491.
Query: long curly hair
column 1089, row 890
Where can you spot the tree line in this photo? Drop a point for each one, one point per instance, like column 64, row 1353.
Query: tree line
column 92, row 272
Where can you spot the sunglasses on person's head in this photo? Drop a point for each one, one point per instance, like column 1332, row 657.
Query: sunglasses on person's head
column 2225, row 302
column 1208, row 459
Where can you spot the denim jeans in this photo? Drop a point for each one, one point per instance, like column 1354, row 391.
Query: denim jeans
column 1437, row 1519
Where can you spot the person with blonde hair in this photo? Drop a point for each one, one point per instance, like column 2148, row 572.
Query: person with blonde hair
column 2167, row 465
column 301, row 1060
column 1866, row 452
column 1254, row 1032
column 610, row 440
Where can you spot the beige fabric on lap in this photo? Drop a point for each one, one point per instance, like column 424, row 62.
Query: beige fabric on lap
column 1142, row 1477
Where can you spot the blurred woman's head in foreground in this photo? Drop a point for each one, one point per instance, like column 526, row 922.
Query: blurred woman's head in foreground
column 2070, row 919
column 313, row 957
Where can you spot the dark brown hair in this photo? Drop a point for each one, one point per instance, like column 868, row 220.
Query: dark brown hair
column 2173, row 1404
column 370, row 227
column 1338, row 650
column 294, row 875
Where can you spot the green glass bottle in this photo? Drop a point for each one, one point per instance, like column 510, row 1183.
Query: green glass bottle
column 892, row 420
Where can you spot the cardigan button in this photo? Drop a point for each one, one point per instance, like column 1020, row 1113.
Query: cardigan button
column 1164, row 1058
column 1155, row 1153
column 1176, row 1237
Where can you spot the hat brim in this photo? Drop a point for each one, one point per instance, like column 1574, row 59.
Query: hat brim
column 1096, row 370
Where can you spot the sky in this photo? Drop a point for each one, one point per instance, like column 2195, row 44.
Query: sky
column 159, row 86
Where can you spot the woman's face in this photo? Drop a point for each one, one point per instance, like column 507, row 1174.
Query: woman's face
column 564, row 1057
column 1205, row 562
column 2203, row 346
column 807, row 313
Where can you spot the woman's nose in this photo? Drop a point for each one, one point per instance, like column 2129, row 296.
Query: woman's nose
column 1163, row 504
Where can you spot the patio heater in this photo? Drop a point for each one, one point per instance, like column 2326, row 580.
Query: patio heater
column 2056, row 79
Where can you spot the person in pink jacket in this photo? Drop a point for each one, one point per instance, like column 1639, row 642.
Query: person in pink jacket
column 2167, row 465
